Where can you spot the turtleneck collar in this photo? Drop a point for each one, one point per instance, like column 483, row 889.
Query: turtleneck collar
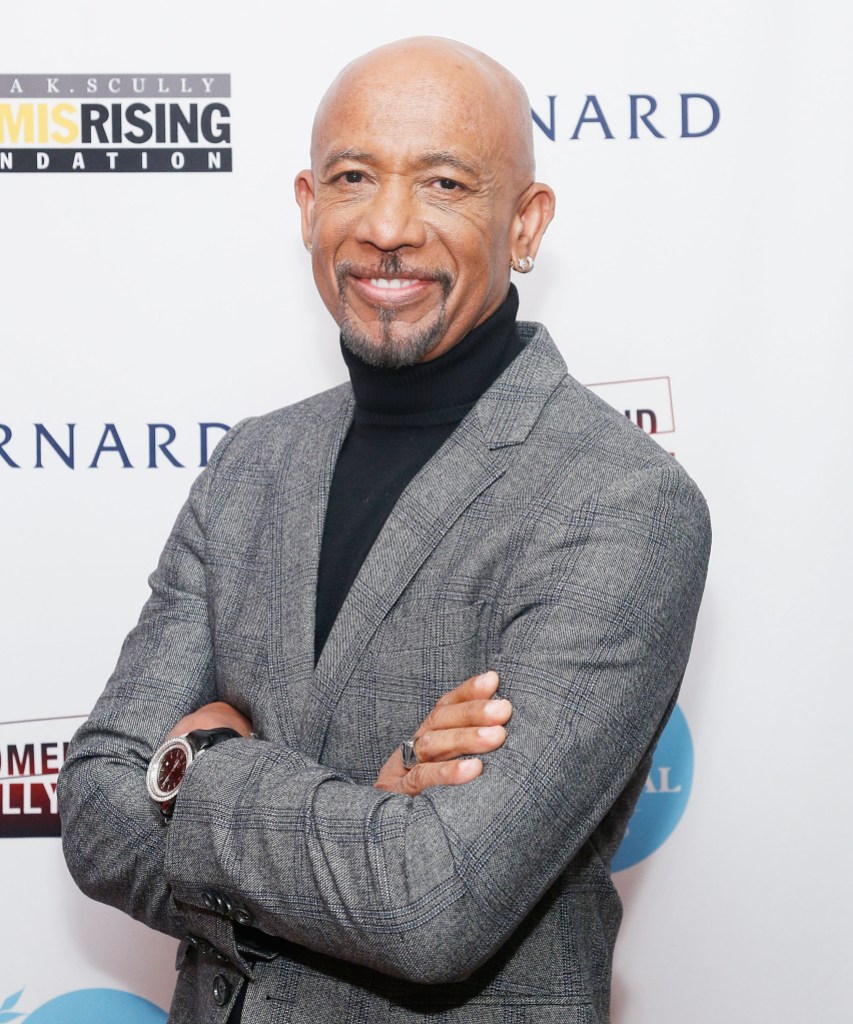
column 454, row 380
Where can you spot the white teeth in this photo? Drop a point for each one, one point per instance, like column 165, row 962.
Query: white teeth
column 394, row 282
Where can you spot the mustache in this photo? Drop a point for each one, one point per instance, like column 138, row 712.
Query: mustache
column 391, row 264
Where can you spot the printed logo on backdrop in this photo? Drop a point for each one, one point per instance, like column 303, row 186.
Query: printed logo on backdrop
column 664, row 796
column 120, row 122
column 85, row 1006
column 646, row 402
column 47, row 445
column 31, row 754
column 686, row 115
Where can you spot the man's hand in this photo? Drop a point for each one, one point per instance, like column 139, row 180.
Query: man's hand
column 217, row 715
column 464, row 721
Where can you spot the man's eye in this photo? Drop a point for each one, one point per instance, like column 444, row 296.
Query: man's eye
column 353, row 177
column 448, row 183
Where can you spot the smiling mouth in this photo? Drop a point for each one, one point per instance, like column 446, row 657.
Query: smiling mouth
column 394, row 282
column 391, row 292
column 394, row 286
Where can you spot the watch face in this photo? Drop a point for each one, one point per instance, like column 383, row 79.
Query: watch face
column 167, row 768
column 173, row 767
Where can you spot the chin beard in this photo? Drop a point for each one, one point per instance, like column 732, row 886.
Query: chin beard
column 395, row 348
column 391, row 350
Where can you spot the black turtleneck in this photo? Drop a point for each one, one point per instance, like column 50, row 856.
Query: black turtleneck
column 402, row 417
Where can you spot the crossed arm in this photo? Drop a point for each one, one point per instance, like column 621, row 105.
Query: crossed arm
column 466, row 720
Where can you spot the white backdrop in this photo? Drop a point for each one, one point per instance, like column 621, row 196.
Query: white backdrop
column 712, row 273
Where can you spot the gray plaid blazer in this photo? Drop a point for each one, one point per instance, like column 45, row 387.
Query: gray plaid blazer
column 548, row 539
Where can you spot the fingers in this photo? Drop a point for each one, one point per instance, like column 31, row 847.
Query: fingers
column 444, row 744
column 464, row 721
column 479, row 687
column 440, row 773
column 467, row 714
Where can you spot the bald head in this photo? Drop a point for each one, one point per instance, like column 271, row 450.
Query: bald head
column 420, row 197
column 487, row 99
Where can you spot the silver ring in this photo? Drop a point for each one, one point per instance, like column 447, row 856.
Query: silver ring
column 407, row 751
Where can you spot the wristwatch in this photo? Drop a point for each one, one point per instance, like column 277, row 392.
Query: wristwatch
column 170, row 762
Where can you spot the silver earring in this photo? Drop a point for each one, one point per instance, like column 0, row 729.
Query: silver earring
column 523, row 265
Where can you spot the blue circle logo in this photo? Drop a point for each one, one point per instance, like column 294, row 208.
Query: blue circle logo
column 95, row 1006
column 664, row 795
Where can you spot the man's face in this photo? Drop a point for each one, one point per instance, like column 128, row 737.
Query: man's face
column 409, row 209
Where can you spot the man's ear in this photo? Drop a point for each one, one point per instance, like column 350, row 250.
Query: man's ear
column 303, row 186
column 534, row 213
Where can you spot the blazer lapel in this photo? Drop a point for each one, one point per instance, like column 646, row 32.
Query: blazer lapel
column 301, row 497
column 472, row 459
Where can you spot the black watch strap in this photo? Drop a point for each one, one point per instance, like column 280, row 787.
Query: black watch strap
column 204, row 739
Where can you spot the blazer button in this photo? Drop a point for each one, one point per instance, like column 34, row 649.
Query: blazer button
column 242, row 916
column 209, row 900
column 221, row 990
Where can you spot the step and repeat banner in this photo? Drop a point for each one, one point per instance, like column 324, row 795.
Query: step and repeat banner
column 697, row 277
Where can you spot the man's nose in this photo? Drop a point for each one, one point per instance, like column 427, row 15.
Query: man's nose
column 392, row 218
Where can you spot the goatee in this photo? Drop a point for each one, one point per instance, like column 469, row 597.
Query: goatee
column 394, row 348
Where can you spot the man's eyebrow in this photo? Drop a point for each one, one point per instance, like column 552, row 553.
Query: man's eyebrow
column 435, row 158
column 443, row 157
column 345, row 154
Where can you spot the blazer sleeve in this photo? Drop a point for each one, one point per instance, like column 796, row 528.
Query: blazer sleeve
column 595, row 628
column 114, row 846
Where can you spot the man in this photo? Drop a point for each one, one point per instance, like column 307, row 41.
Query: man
column 368, row 567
